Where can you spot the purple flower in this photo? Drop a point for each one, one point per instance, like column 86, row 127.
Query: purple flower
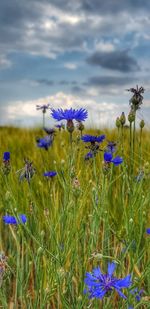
column 89, row 155
column 92, row 139
column 50, row 174
column 6, row 156
column 99, row 284
column 111, row 147
column 108, row 158
column 45, row 142
column 148, row 231
column 69, row 114
column 43, row 107
column 12, row 220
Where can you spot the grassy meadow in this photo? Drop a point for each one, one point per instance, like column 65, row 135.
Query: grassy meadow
column 89, row 214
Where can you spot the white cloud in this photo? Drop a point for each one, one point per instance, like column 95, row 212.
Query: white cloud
column 70, row 66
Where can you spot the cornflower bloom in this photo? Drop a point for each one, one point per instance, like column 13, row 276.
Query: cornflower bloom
column 99, row 284
column 94, row 143
column 50, row 174
column 44, row 108
column 148, row 231
column 69, row 115
column 6, row 163
column 89, row 156
column 137, row 98
column 45, row 142
column 108, row 158
column 12, row 220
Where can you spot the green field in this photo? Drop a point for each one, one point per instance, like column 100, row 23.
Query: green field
column 89, row 214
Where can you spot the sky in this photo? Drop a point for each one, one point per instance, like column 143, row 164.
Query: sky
column 82, row 53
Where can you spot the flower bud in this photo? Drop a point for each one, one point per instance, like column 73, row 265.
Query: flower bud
column 70, row 126
column 142, row 124
column 122, row 119
column 118, row 123
column 131, row 116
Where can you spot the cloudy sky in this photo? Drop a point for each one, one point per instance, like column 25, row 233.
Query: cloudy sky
column 82, row 53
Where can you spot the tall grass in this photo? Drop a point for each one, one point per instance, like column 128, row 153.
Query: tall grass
column 72, row 228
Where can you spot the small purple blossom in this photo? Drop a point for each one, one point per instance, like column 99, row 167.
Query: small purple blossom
column 43, row 107
column 92, row 139
column 89, row 155
column 111, row 147
column 108, row 158
column 6, row 156
column 12, row 220
column 148, row 231
column 69, row 114
column 50, row 174
column 45, row 142
column 99, row 284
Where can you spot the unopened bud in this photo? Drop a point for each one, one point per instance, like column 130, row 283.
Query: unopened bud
column 142, row 124
column 70, row 126
column 118, row 123
column 122, row 118
column 131, row 116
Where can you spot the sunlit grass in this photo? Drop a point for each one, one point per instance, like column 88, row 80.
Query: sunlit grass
column 72, row 228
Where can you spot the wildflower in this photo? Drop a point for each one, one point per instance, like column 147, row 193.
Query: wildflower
column 45, row 142
column 111, row 147
column 94, row 144
column 137, row 293
column 43, row 107
column 122, row 119
column 140, row 176
column 69, row 115
column 27, row 171
column 80, row 126
column 137, row 99
column 6, row 167
column 49, row 131
column 131, row 116
column 142, row 124
column 99, row 284
column 12, row 220
column 92, row 139
column 50, row 174
column 148, row 231
column 108, row 158
column 6, row 156
column 89, row 155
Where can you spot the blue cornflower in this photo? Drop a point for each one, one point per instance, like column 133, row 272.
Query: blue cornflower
column 108, row 158
column 138, row 293
column 89, row 155
column 12, row 220
column 45, row 142
column 69, row 114
column 98, row 284
column 50, row 174
column 6, row 156
column 92, row 139
column 148, row 231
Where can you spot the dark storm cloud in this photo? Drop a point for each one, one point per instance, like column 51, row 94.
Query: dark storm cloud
column 106, row 81
column 115, row 60
column 113, row 6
